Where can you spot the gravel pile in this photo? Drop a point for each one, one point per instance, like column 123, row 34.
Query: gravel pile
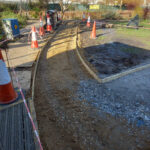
column 104, row 99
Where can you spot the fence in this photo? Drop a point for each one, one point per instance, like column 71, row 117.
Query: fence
column 124, row 14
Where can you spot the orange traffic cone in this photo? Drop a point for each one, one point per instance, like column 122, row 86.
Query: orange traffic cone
column 88, row 22
column 41, row 32
column 49, row 26
column 7, row 92
column 34, row 42
column 83, row 17
column 93, row 34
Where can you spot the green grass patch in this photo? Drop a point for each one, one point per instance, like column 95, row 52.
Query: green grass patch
column 101, row 38
column 1, row 36
column 117, row 22
column 9, row 14
column 145, row 23
column 131, row 50
column 142, row 33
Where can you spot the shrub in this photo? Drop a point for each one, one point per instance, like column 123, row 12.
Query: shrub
column 110, row 14
column 9, row 14
column 96, row 15
column 35, row 14
column 71, row 8
column 8, row 11
column 7, row 7
column 1, row 34
column 139, row 11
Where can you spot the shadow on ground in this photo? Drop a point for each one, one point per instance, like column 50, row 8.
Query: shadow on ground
column 67, row 99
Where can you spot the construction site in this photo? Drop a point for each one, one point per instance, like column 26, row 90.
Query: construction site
column 75, row 75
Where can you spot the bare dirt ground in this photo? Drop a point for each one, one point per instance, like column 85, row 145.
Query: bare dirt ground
column 112, row 52
column 55, row 64
column 67, row 120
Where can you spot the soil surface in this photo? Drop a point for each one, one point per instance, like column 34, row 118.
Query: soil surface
column 64, row 98
column 53, row 75
column 112, row 52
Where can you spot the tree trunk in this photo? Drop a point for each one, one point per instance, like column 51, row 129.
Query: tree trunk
column 20, row 7
column 121, row 2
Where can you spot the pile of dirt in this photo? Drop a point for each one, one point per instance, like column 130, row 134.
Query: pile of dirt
column 114, row 57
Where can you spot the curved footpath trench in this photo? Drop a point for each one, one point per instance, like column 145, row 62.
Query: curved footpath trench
column 66, row 123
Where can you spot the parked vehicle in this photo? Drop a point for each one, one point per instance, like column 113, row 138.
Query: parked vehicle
column 53, row 18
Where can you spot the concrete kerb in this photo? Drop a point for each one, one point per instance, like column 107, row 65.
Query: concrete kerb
column 31, row 103
column 94, row 74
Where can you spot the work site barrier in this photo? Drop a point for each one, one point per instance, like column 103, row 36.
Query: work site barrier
column 25, row 102
column 127, row 14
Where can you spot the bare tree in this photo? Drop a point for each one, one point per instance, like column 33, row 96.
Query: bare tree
column 110, row 2
column 134, row 3
column 20, row 7
column 120, row 3
column 45, row 3
column 64, row 4
column 85, row 1
column 52, row 1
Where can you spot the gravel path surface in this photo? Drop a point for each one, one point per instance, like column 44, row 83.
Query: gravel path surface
column 126, row 97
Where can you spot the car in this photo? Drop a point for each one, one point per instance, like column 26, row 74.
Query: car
column 53, row 18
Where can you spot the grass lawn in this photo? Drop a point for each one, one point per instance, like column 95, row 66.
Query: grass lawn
column 134, row 32
column 117, row 22
column 144, row 23
column 10, row 14
column 142, row 34
column 131, row 50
